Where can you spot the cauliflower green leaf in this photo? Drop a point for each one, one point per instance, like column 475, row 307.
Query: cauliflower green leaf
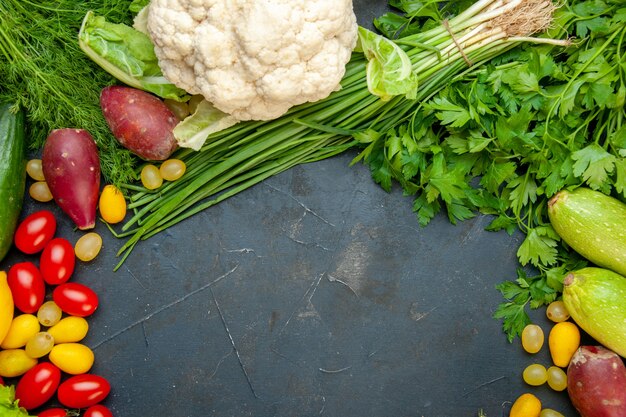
column 9, row 406
column 127, row 54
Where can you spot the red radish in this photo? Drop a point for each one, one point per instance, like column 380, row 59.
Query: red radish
column 141, row 122
column 596, row 382
column 71, row 167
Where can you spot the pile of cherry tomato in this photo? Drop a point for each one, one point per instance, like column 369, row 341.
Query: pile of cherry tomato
column 42, row 349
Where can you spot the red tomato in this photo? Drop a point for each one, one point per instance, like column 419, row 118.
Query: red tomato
column 57, row 261
column 98, row 411
column 35, row 231
column 38, row 385
column 82, row 391
column 27, row 286
column 53, row 412
column 1, row 381
column 75, row 299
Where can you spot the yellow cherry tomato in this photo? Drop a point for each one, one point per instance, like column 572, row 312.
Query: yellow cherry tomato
column 72, row 358
column 563, row 340
column 88, row 246
column 6, row 306
column 112, row 204
column 23, row 327
column 527, row 405
column 15, row 362
column 69, row 330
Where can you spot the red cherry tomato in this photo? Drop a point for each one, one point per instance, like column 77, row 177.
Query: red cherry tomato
column 98, row 411
column 37, row 385
column 35, row 231
column 53, row 412
column 75, row 299
column 82, row 391
column 27, row 286
column 1, row 381
column 57, row 261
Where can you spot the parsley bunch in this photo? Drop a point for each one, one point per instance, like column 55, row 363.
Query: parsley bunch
column 502, row 139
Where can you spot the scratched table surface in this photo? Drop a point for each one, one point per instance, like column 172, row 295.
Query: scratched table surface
column 314, row 293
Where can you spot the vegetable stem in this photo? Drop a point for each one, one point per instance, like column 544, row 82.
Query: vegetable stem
column 243, row 155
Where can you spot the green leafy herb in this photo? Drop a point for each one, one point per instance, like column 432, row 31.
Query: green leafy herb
column 43, row 70
column 379, row 107
column 529, row 123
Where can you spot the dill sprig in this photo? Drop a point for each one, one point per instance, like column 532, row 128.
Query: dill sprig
column 44, row 72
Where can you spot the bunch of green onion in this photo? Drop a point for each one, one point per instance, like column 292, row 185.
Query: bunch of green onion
column 370, row 100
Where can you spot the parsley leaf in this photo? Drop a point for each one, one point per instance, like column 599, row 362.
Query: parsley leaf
column 507, row 135
column 539, row 247
column 594, row 164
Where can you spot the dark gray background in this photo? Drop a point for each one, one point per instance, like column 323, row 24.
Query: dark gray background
column 315, row 293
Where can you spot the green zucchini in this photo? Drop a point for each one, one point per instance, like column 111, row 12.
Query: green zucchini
column 594, row 297
column 593, row 224
column 12, row 173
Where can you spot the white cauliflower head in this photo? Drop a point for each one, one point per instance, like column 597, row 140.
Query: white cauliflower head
column 254, row 59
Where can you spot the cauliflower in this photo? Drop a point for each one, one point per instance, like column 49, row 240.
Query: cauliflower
column 253, row 59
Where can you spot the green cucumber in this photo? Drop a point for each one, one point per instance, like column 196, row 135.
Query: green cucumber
column 593, row 224
column 12, row 173
column 595, row 299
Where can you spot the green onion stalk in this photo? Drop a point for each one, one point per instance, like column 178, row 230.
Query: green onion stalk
column 384, row 85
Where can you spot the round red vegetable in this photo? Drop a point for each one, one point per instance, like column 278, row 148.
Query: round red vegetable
column 98, row 411
column 1, row 381
column 82, row 391
column 71, row 166
column 27, row 286
column 596, row 382
column 57, row 261
column 37, row 385
column 35, row 231
column 53, row 412
column 75, row 299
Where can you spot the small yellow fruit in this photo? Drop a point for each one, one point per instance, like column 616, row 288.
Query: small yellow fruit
column 72, row 358
column 88, row 246
column 15, row 362
column 34, row 169
column 69, row 330
column 563, row 341
column 532, row 338
column 172, row 169
column 527, row 405
column 23, row 327
column 6, row 306
column 151, row 177
column 112, row 204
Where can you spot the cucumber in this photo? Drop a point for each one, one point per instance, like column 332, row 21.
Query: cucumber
column 595, row 299
column 593, row 224
column 12, row 173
